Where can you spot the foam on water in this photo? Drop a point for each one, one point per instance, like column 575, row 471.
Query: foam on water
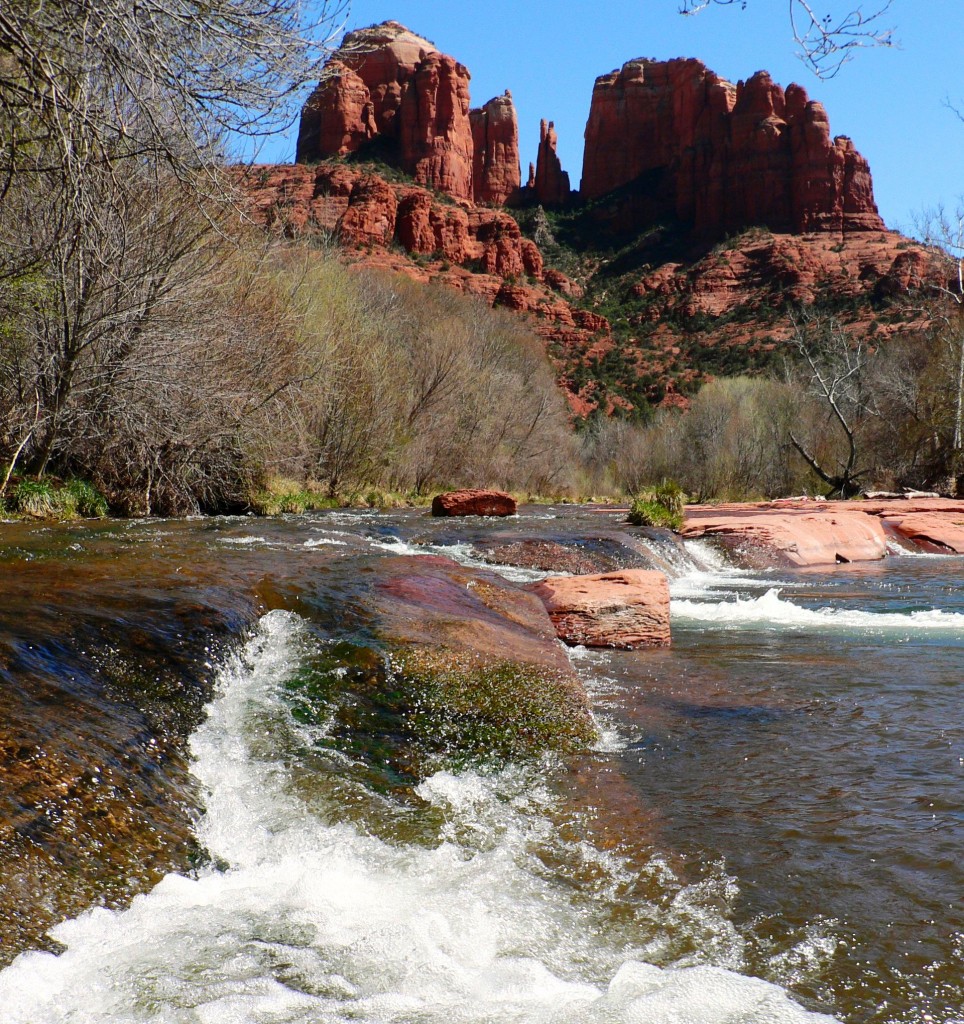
column 465, row 555
column 706, row 571
column 772, row 611
column 302, row 920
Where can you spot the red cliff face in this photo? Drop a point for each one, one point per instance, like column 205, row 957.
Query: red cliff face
column 495, row 137
column 548, row 182
column 386, row 83
column 723, row 157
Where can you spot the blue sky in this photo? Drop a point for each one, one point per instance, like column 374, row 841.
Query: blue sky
column 891, row 102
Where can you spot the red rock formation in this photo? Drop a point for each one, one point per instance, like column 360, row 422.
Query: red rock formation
column 481, row 251
column 722, row 157
column 495, row 137
column 434, row 128
column 548, row 183
column 387, row 84
column 627, row 609
column 799, row 531
column 473, row 503
column 802, row 536
column 371, row 214
column 758, row 265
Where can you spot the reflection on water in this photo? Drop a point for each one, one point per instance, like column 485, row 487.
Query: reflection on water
column 779, row 795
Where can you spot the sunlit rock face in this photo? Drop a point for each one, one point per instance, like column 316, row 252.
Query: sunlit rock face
column 495, row 141
column 392, row 90
column 721, row 157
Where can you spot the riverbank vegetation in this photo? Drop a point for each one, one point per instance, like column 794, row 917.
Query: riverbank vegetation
column 270, row 377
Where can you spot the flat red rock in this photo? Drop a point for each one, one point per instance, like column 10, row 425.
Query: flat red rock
column 474, row 503
column 626, row 609
column 804, row 532
column 792, row 536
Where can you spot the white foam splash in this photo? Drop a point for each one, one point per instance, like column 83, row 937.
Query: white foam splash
column 770, row 610
column 308, row 921
column 463, row 554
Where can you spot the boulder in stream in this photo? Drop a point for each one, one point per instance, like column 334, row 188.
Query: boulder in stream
column 454, row 665
column 473, row 502
column 627, row 609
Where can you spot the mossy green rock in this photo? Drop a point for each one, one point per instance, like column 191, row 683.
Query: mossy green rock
column 457, row 667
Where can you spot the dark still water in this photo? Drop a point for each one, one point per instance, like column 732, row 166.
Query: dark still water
column 770, row 829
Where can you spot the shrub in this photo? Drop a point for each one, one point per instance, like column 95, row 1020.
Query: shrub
column 78, row 497
column 670, row 495
column 646, row 512
column 35, row 498
column 661, row 506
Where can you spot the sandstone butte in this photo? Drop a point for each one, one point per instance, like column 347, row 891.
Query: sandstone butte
column 627, row 609
column 664, row 139
column 799, row 532
column 720, row 156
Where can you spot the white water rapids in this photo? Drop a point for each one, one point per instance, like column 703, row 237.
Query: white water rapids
column 306, row 919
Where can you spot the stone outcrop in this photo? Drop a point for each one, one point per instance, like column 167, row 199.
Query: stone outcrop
column 548, row 183
column 926, row 524
column 627, row 609
column 496, row 174
column 764, row 536
column 391, row 89
column 364, row 210
column 804, row 532
column 719, row 157
column 473, row 503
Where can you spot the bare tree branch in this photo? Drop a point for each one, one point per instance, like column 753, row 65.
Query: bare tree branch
column 825, row 42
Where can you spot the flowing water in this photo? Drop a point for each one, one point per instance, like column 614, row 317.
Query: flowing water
column 770, row 828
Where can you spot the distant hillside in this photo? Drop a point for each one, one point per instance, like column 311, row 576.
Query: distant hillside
column 706, row 212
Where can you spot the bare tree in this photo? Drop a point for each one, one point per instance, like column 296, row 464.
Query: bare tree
column 943, row 232
column 835, row 365
column 825, row 42
column 169, row 77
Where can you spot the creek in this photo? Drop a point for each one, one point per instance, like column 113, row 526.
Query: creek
column 769, row 828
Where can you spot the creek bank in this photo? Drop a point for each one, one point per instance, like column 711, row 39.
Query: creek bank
column 804, row 532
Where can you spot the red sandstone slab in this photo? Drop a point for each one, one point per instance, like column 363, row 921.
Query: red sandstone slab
column 628, row 609
column 793, row 536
